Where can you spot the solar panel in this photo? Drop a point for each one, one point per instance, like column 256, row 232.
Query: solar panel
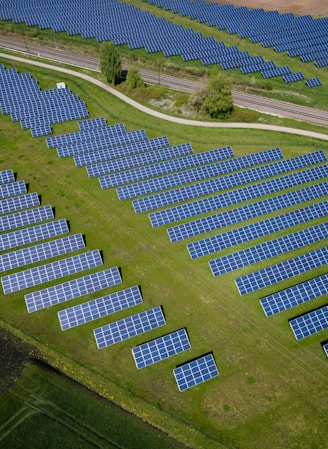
column 253, row 231
column 37, row 253
column 313, row 82
column 19, row 202
column 12, row 189
column 251, row 192
column 150, row 171
column 131, row 326
column 51, row 271
column 247, row 212
column 196, row 174
column 161, row 348
column 266, row 250
column 24, row 218
column 325, row 348
column 92, row 123
column 196, row 372
column 72, row 289
column 281, row 271
column 100, row 307
column 203, row 188
column 137, row 160
column 6, row 176
column 295, row 295
column 310, row 323
column 33, row 234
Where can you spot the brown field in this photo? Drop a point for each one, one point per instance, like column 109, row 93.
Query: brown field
column 313, row 7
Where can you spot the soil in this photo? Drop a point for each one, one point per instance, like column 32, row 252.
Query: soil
column 313, row 7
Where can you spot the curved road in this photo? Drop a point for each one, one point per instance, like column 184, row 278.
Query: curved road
column 162, row 116
column 241, row 99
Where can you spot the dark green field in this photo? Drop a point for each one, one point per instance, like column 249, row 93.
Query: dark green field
column 272, row 390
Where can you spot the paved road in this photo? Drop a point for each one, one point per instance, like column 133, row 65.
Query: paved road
column 241, row 99
column 162, row 116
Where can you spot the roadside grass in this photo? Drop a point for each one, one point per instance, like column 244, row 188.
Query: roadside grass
column 270, row 387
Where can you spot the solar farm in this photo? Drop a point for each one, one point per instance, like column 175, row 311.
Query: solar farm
column 180, row 273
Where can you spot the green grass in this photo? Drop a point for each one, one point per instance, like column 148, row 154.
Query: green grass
column 270, row 389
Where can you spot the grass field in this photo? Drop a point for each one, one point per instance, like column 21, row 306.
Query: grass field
column 272, row 390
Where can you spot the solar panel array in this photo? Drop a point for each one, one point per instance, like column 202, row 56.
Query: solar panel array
column 161, row 348
column 12, row 189
column 233, row 197
column 51, row 271
column 100, row 307
column 310, row 323
column 266, row 250
column 6, row 176
column 21, row 97
column 293, row 77
column 295, row 295
column 253, row 231
column 196, row 372
column 37, row 253
column 281, row 271
column 131, row 326
column 121, row 151
column 197, row 174
column 161, row 168
column 16, row 203
column 247, row 212
column 26, row 217
column 313, row 82
column 325, row 348
column 75, row 288
column 203, row 188
column 33, row 234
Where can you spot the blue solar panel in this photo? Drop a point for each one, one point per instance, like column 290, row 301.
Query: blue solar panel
column 7, row 176
column 92, row 123
column 209, row 204
column 196, row 174
column 72, row 289
column 295, row 295
column 284, row 270
column 195, row 372
column 310, row 323
column 161, row 168
column 266, row 250
column 18, row 203
column 247, row 212
column 118, row 331
column 51, row 271
column 33, row 234
column 313, row 82
column 121, row 151
column 12, row 189
column 137, row 160
column 325, row 348
column 106, row 305
column 161, row 348
column 24, row 218
column 293, row 77
column 253, row 231
column 43, row 251
column 215, row 185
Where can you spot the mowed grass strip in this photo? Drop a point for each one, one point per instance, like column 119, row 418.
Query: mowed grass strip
column 270, row 387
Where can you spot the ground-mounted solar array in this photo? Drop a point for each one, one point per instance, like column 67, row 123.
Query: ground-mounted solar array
column 195, row 372
column 310, row 323
column 325, row 348
column 36, row 109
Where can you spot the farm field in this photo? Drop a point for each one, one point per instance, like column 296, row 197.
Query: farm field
column 271, row 389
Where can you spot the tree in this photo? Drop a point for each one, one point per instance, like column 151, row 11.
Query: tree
column 133, row 79
column 215, row 100
column 110, row 62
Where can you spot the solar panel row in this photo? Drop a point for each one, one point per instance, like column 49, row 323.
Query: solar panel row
column 284, row 270
column 24, row 218
column 51, row 271
column 266, row 250
column 18, row 203
column 295, row 295
column 253, row 231
column 325, row 348
column 161, row 348
column 100, row 307
column 12, row 189
column 209, row 204
column 129, row 327
column 43, row 251
column 161, row 168
column 75, row 288
column 310, row 323
column 33, row 234
column 215, row 185
column 193, row 373
column 247, row 212
column 6, row 176
column 197, row 174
